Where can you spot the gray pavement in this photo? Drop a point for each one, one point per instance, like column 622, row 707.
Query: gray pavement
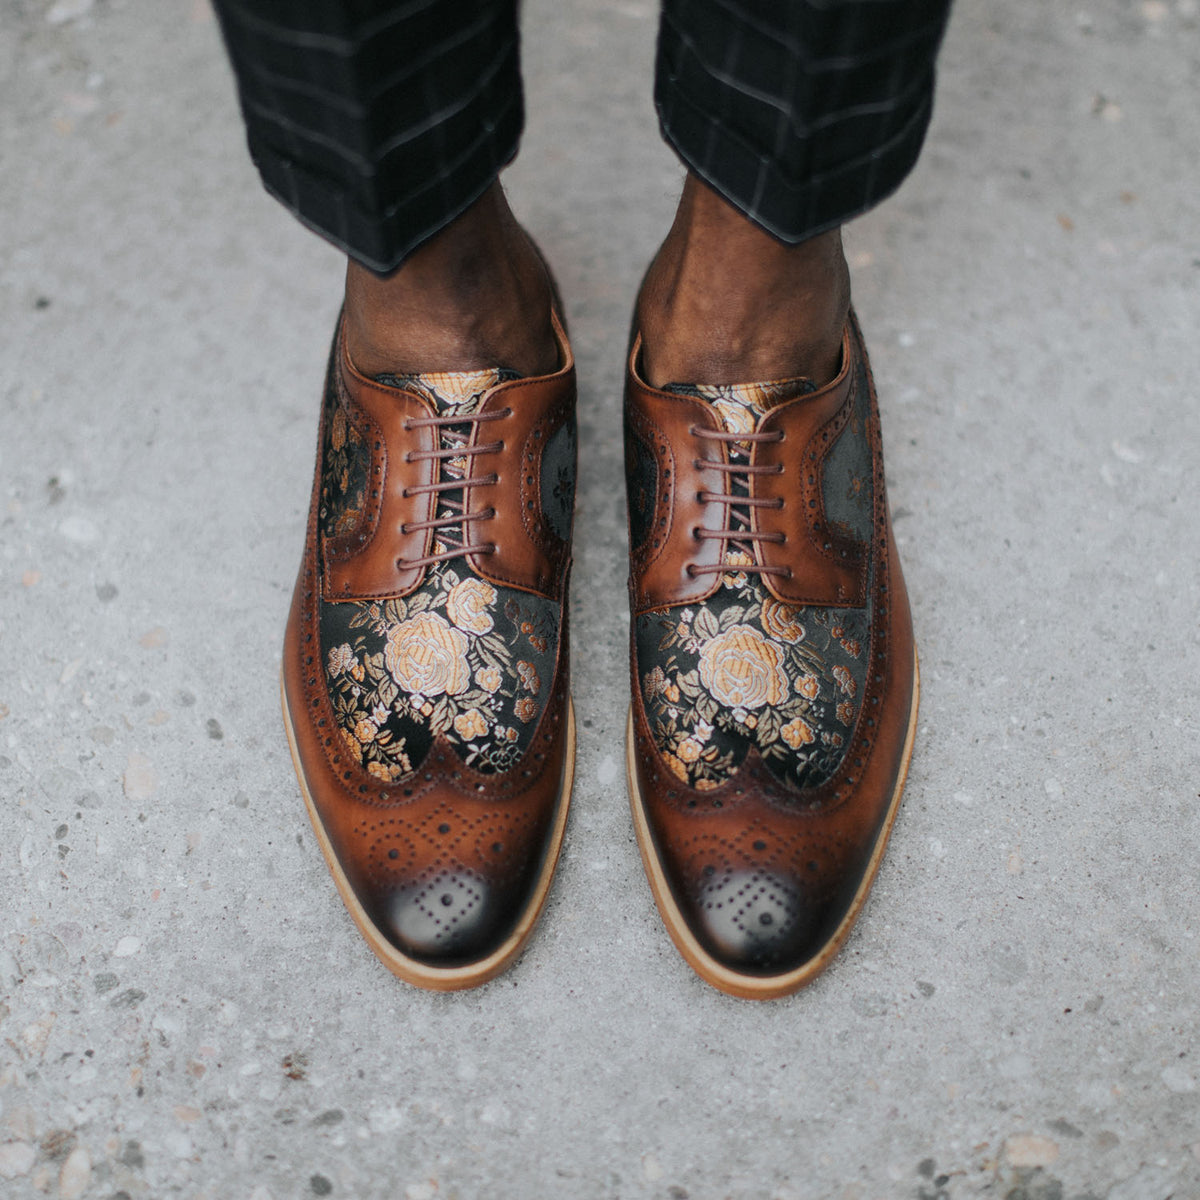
column 185, row 1007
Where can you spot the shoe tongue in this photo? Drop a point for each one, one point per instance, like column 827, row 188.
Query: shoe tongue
column 740, row 405
column 451, row 391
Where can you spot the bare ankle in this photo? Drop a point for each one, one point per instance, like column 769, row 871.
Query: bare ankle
column 724, row 302
column 476, row 295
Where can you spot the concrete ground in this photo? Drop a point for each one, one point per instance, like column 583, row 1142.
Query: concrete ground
column 185, row 1007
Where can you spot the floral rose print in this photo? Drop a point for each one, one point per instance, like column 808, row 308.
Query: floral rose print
column 460, row 658
column 780, row 621
column 470, row 725
column 341, row 658
column 468, row 605
column 428, row 657
column 745, row 670
column 742, row 669
column 797, row 733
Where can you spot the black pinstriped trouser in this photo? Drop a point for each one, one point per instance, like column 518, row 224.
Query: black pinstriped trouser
column 379, row 121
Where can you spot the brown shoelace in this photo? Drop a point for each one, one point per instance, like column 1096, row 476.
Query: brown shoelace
column 452, row 514
column 738, row 534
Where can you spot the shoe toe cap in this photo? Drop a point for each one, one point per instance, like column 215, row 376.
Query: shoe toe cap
column 448, row 920
column 761, row 922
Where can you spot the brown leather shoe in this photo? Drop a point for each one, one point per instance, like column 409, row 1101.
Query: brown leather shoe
column 774, row 672
column 426, row 665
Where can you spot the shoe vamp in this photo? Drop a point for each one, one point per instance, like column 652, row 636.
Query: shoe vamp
column 745, row 671
column 459, row 657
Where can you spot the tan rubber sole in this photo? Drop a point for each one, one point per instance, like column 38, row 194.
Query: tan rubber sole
column 443, row 979
column 733, row 983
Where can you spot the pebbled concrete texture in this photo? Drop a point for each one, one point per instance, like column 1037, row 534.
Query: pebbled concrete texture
column 185, row 1007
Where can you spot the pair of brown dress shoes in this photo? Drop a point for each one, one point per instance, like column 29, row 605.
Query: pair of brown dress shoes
column 426, row 664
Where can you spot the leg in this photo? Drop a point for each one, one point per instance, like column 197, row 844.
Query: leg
column 425, row 666
column 384, row 131
column 724, row 301
column 799, row 116
column 774, row 675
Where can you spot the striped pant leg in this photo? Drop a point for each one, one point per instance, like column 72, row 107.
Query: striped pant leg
column 377, row 122
column 802, row 113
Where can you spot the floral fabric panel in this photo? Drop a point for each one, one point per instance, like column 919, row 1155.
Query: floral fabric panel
column 459, row 656
column 557, row 480
column 743, row 669
column 641, row 486
column 347, row 465
column 847, row 491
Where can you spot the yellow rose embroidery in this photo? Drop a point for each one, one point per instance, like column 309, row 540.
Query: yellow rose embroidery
column 488, row 678
column 737, row 417
column 797, row 733
column 741, row 669
column 844, row 681
column 525, row 708
column 654, row 682
column 338, row 432
column 390, row 772
column 425, row 655
column 676, row 767
column 529, row 676
column 365, row 731
column 845, row 712
column 341, row 658
column 779, row 620
column 808, row 686
column 736, row 558
column 468, row 603
column 470, row 725
column 689, row 750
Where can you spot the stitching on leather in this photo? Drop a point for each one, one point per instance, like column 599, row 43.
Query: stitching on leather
column 339, row 549
column 664, row 499
column 815, row 519
column 499, row 788
column 553, row 554
column 819, row 801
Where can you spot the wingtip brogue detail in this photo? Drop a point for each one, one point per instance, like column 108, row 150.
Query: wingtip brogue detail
column 427, row 705
column 772, row 721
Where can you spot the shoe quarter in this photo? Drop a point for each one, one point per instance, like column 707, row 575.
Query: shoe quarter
column 365, row 562
column 820, row 561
